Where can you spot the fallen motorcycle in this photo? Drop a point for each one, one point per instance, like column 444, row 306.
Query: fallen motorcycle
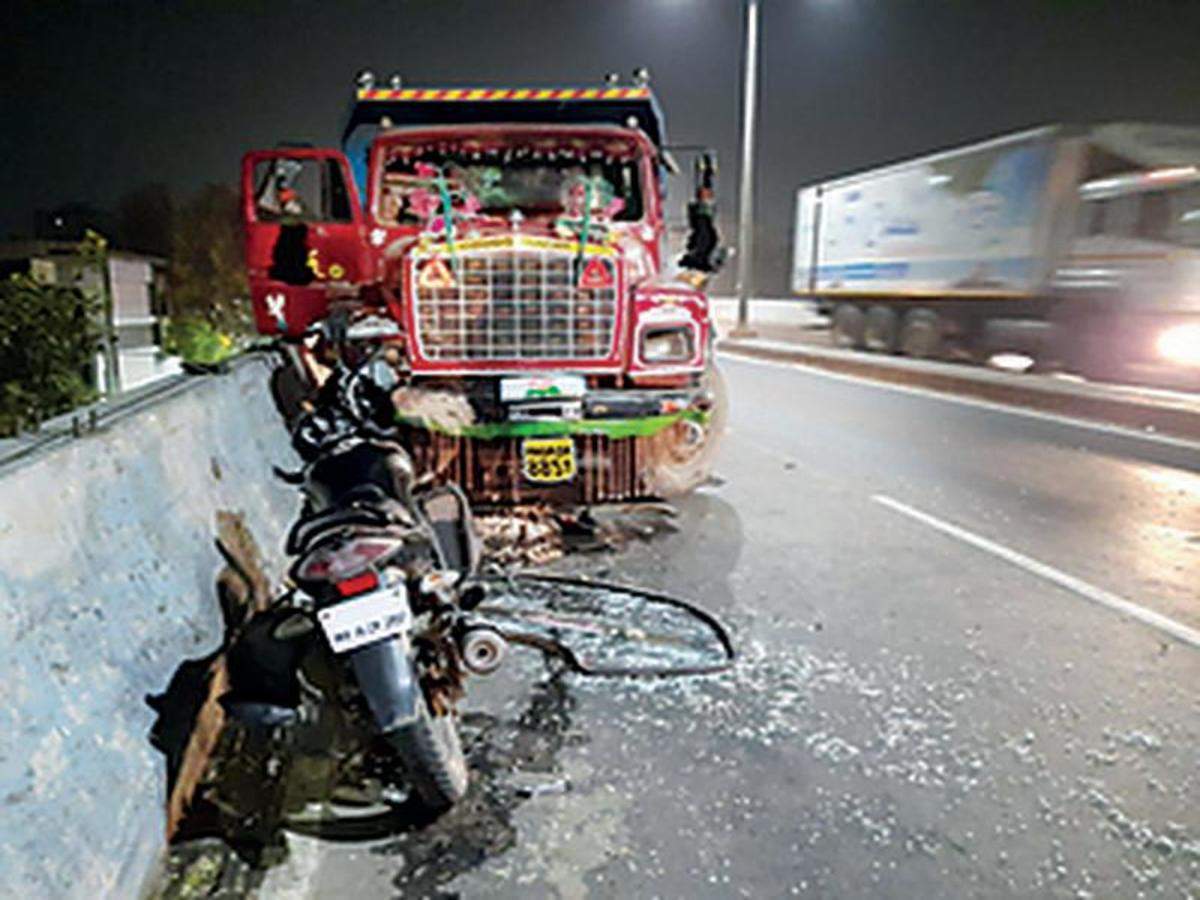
column 374, row 639
column 363, row 661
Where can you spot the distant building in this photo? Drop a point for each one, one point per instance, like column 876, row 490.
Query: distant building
column 138, row 290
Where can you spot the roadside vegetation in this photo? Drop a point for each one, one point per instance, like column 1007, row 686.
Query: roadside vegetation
column 200, row 236
column 51, row 334
column 49, row 338
column 208, row 297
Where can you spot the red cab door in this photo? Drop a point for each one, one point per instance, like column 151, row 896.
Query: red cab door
column 305, row 239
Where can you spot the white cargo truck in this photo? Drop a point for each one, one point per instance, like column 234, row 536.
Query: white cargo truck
column 1077, row 246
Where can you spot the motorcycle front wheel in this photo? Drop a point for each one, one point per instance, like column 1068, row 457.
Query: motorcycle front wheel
column 431, row 752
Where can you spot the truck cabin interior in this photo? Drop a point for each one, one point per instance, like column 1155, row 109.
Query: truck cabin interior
column 533, row 173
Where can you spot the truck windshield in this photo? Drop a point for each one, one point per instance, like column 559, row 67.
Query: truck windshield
column 1166, row 216
column 537, row 183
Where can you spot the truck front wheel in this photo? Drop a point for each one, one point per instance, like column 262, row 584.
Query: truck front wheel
column 682, row 455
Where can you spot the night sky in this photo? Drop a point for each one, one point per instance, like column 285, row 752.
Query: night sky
column 98, row 98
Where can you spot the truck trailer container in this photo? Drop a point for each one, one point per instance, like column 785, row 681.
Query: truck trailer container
column 1079, row 246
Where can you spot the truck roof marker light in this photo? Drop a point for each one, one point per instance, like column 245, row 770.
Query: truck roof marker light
column 595, row 275
column 365, row 79
column 395, row 82
column 368, row 91
column 436, row 275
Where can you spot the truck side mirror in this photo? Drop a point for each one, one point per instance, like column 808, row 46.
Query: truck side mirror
column 704, row 252
column 704, row 175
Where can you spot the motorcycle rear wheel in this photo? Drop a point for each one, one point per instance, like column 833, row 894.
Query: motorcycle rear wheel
column 431, row 752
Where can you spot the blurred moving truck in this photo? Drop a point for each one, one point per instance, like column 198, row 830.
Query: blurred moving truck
column 1079, row 247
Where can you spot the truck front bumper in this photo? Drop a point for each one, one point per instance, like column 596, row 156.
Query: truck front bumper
column 614, row 441
column 611, row 413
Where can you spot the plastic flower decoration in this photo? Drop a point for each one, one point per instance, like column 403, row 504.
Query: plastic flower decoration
column 423, row 203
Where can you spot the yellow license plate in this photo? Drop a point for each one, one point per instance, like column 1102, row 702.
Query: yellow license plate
column 548, row 460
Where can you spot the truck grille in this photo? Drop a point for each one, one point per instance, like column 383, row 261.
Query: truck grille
column 515, row 304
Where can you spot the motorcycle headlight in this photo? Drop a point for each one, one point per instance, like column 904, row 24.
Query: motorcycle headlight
column 661, row 345
column 1180, row 344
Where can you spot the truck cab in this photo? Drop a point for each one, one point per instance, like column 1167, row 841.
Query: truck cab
column 1129, row 285
column 508, row 246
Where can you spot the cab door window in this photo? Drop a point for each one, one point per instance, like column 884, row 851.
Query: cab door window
column 1154, row 216
column 1112, row 217
column 1091, row 219
column 1185, row 217
column 300, row 190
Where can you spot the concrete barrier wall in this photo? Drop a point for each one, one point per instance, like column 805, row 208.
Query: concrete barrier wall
column 106, row 585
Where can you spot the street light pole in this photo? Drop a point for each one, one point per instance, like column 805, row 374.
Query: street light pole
column 745, row 249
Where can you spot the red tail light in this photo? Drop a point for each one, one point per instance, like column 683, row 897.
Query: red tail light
column 345, row 561
column 359, row 584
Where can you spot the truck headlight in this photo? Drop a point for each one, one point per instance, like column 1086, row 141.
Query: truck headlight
column 1180, row 344
column 661, row 345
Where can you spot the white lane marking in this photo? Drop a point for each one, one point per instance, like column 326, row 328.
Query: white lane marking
column 1118, row 430
column 1177, row 630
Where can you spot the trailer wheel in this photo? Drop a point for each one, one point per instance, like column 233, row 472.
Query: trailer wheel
column 848, row 323
column 921, row 334
column 880, row 329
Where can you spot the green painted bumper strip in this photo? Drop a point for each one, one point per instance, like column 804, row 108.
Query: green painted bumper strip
column 612, row 428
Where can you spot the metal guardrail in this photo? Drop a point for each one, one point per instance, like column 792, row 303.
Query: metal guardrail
column 85, row 420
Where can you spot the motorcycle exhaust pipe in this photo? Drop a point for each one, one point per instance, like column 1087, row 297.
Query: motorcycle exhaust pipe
column 482, row 650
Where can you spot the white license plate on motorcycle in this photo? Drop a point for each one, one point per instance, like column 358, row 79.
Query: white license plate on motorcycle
column 366, row 619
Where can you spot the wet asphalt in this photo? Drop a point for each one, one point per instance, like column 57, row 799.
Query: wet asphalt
column 910, row 716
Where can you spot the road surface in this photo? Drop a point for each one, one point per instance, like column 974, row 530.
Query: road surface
column 970, row 667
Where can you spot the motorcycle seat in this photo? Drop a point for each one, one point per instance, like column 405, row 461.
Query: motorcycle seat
column 306, row 529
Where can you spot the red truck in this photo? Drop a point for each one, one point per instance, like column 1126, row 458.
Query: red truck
column 506, row 247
